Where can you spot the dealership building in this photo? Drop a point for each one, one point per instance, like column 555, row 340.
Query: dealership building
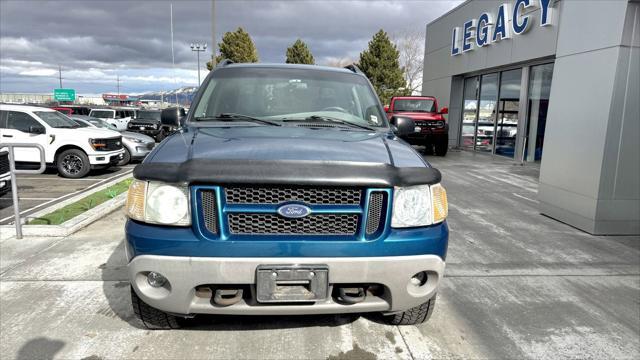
column 549, row 81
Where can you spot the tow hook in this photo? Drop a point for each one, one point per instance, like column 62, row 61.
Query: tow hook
column 226, row 297
column 352, row 295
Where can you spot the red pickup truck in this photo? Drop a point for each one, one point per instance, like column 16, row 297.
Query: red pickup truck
column 431, row 128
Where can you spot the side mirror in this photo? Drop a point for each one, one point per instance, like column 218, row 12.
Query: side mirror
column 170, row 117
column 386, row 108
column 36, row 129
column 403, row 125
column 444, row 110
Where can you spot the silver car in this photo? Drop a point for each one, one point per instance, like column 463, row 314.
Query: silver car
column 137, row 146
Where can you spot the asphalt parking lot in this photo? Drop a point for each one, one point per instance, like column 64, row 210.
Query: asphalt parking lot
column 517, row 285
column 39, row 191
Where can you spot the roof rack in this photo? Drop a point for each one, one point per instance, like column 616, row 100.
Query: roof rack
column 354, row 68
column 224, row 63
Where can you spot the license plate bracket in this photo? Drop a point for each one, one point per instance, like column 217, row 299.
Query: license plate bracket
column 291, row 283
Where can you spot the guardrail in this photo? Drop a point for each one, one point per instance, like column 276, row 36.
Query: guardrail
column 14, row 184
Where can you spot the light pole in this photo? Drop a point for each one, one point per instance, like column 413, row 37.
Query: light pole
column 198, row 48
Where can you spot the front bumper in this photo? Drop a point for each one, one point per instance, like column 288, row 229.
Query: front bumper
column 184, row 274
column 140, row 150
column 107, row 158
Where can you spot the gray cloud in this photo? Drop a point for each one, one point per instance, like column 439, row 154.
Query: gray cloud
column 132, row 38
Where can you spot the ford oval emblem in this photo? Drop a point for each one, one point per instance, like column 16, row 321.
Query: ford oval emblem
column 294, row 211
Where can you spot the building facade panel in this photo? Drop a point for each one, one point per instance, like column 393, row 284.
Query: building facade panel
column 562, row 92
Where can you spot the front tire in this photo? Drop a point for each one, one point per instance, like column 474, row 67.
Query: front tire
column 73, row 164
column 150, row 317
column 415, row 315
column 126, row 158
column 441, row 146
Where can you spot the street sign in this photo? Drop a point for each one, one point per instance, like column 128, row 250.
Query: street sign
column 64, row 94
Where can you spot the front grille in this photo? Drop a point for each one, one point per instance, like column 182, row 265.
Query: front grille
column 376, row 203
column 273, row 224
column 209, row 211
column 137, row 126
column 110, row 144
column 277, row 195
column 4, row 162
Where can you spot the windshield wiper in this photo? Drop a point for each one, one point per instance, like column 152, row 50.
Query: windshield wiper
column 234, row 117
column 337, row 121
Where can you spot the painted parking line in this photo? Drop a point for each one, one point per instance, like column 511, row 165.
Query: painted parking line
column 64, row 197
column 57, row 178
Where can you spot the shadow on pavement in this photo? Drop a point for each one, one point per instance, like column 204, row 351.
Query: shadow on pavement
column 115, row 286
column 40, row 348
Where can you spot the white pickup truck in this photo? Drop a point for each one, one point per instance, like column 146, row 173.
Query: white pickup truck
column 73, row 150
column 117, row 117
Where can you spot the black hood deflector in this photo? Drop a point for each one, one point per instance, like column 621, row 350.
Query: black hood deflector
column 296, row 172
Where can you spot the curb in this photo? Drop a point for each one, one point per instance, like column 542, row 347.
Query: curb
column 70, row 226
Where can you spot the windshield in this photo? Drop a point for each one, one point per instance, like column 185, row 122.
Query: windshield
column 151, row 115
column 56, row 119
column 80, row 123
column 292, row 94
column 102, row 124
column 104, row 114
column 414, row 105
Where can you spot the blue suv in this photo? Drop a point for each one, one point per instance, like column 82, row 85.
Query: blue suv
column 285, row 191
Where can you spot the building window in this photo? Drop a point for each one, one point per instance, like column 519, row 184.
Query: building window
column 485, row 128
column 538, row 104
column 470, row 109
column 508, row 115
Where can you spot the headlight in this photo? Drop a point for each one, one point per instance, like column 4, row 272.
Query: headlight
column 135, row 140
column 158, row 203
column 419, row 205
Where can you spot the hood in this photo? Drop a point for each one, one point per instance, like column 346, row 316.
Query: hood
column 286, row 143
column 135, row 135
column 420, row 115
column 90, row 132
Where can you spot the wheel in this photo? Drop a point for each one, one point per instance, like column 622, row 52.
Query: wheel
column 441, row 146
column 73, row 163
column 415, row 315
column 126, row 158
column 152, row 318
column 161, row 135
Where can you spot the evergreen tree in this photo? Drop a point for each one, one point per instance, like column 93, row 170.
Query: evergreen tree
column 236, row 46
column 380, row 62
column 299, row 53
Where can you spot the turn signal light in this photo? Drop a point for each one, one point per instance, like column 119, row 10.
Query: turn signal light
column 135, row 200
column 440, row 205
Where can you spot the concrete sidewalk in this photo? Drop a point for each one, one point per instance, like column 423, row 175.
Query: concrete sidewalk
column 518, row 285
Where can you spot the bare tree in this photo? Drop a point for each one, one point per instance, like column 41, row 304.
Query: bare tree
column 410, row 43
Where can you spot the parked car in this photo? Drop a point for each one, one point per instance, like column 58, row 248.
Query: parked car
column 285, row 192
column 79, row 109
column 73, row 151
column 119, row 118
column 5, row 175
column 431, row 129
column 136, row 146
column 65, row 110
column 148, row 122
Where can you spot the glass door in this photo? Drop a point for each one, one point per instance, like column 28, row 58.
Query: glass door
column 487, row 113
column 538, row 104
column 469, row 112
column 508, row 105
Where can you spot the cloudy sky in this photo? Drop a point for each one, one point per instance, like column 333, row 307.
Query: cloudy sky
column 97, row 40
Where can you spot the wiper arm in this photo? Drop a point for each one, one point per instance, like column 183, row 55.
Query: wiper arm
column 234, row 117
column 337, row 121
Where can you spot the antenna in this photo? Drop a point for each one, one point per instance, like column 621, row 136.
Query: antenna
column 213, row 34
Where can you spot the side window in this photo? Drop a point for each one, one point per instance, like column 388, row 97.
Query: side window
column 21, row 121
column 3, row 119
